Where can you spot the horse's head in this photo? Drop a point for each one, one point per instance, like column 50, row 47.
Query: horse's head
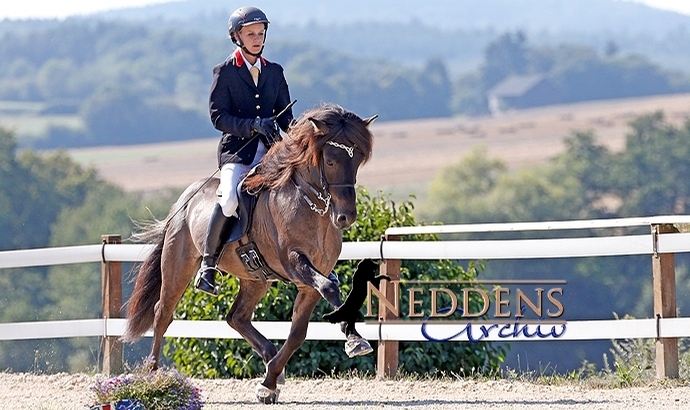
column 320, row 155
column 341, row 143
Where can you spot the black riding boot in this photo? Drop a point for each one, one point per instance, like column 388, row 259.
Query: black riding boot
column 219, row 227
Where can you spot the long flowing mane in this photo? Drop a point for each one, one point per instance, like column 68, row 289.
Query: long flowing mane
column 304, row 142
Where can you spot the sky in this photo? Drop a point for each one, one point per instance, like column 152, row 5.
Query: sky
column 23, row 9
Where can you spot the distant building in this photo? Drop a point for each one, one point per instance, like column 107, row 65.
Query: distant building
column 522, row 91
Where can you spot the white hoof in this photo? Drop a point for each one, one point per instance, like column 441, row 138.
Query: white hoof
column 357, row 346
column 265, row 395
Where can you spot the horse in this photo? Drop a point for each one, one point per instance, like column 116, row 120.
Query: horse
column 304, row 189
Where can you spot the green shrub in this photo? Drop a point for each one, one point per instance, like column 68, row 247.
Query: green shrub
column 214, row 358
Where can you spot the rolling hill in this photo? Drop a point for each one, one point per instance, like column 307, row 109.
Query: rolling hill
column 407, row 154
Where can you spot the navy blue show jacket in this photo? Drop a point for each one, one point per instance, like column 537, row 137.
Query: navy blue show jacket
column 235, row 102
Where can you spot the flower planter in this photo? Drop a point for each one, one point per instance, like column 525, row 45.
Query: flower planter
column 120, row 405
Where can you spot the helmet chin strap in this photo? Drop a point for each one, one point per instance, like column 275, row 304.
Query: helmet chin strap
column 252, row 54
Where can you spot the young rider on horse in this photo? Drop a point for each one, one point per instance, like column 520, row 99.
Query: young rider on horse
column 247, row 92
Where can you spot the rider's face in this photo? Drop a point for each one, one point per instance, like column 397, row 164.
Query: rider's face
column 252, row 36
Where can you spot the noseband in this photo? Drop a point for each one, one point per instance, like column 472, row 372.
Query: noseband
column 324, row 195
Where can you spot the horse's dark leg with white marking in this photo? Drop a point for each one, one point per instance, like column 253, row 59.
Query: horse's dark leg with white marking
column 304, row 272
column 355, row 345
column 240, row 317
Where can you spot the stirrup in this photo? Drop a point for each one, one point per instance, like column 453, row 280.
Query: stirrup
column 204, row 284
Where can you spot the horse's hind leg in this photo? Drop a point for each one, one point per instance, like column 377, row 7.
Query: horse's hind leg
column 178, row 265
column 240, row 317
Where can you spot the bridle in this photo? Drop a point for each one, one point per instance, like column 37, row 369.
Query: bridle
column 324, row 194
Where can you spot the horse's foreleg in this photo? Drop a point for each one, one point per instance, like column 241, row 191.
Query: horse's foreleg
column 240, row 317
column 301, row 312
column 355, row 344
column 306, row 273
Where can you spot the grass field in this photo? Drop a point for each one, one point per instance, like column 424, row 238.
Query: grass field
column 407, row 154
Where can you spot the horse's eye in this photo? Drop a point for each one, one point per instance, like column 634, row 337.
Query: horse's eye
column 329, row 162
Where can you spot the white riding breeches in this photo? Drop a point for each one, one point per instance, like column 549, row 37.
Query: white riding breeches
column 230, row 176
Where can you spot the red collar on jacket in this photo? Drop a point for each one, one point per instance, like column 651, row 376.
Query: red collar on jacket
column 239, row 58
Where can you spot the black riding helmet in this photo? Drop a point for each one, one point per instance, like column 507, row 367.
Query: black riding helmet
column 243, row 17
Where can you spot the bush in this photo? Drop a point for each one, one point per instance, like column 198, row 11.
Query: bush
column 214, row 358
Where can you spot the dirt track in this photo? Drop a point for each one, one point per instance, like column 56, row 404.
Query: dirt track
column 407, row 154
column 64, row 391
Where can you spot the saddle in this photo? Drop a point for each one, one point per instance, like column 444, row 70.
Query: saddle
column 249, row 253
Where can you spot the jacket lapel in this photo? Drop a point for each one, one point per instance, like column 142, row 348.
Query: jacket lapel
column 244, row 74
column 243, row 71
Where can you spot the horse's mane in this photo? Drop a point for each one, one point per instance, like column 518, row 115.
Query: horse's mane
column 304, row 142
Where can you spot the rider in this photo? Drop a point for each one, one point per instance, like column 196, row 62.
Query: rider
column 247, row 92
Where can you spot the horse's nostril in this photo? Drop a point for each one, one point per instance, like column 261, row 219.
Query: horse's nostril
column 343, row 221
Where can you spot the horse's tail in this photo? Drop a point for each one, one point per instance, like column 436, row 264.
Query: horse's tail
column 147, row 287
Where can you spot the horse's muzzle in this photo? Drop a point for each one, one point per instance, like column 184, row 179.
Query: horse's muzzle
column 343, row 220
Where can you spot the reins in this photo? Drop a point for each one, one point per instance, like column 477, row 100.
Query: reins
column 234, row 157
column 184, row 205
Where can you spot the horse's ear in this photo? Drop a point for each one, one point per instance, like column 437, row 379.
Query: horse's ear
column 319, row 126
column 368, row 121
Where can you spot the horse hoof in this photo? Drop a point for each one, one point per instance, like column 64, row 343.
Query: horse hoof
column 357, row 347
column 266, row 396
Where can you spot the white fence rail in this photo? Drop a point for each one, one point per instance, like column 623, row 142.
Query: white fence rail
column 465, row 250
column 664, row 327
column 382, row 331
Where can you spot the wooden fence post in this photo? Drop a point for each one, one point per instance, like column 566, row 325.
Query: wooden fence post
column 387, row 354
column 111, row 295
column 664, row 285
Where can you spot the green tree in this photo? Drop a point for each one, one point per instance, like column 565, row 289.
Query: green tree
column 596, row 78
column 57, row 183
column 460, row 192
column 507, row 55
column 34, row 189
column 11, row 187
column 649, row 176
column 591, row 165
column 652, row 174
column 49, row 200
column 54, row 78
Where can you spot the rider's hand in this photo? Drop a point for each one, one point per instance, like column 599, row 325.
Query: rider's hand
column 268, row 130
